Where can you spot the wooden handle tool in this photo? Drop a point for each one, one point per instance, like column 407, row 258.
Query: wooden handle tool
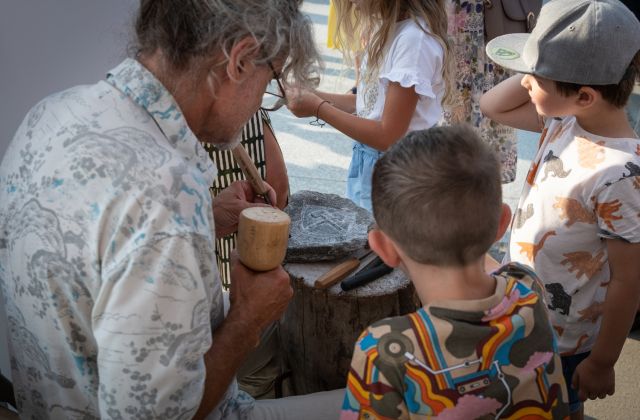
column 336, row 274
column 341, row 271
column 251, row 172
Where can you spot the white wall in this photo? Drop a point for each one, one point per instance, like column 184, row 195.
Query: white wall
column 47, row 46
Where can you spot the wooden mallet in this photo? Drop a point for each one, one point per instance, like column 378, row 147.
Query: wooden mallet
column 263, row 235
column 263, row 232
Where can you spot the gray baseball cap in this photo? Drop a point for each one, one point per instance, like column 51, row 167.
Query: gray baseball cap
column 586, row 42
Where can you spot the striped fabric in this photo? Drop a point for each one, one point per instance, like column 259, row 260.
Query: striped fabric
column 229, row 171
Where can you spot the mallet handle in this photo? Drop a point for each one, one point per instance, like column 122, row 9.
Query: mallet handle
column 250, row 172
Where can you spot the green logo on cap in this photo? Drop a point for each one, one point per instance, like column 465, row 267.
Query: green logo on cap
column 505, row 53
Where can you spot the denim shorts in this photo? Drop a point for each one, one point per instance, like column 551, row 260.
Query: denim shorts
column 359, row 174
column 569, row 365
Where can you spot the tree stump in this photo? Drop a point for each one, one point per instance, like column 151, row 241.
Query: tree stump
column 320, row 327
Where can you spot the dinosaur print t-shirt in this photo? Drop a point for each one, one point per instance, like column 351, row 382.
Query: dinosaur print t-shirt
column 489, row 358
column 581, row 190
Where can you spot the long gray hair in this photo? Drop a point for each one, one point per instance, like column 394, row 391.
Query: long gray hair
column 192, row 31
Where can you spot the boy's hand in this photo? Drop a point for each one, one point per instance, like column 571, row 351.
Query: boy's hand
column 593, row 380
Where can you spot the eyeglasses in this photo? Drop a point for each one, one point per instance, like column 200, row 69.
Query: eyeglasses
column 274, row 97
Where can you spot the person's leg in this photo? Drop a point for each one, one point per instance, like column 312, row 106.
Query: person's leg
column 261, row 369
column 258, row 374
column 317, row 406
column 354, row 174
column 369, row 158
column 569, row 365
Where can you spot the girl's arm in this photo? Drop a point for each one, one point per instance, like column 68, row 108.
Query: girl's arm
column 343, row 101
column 508, row 103
column 399, row 106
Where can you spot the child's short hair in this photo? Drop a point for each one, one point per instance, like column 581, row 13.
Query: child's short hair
column 618, row 94
column 437, row 194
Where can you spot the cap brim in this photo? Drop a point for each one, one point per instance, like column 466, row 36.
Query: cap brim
column 506, row 51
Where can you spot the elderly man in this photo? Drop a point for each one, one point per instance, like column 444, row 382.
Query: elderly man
column 107, row 259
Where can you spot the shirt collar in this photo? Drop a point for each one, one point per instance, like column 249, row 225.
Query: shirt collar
column 142, row 87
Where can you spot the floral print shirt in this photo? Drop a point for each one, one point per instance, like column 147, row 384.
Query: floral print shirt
column 107, row 263
column 474, row 75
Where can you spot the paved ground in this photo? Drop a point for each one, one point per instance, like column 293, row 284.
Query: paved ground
column 317, row 159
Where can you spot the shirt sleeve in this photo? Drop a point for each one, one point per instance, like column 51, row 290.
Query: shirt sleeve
column 617, row 208
column 366, row 387
column 153, row 316
column 414, row 60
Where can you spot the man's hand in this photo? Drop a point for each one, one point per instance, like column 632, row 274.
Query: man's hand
column 593, row 380
column 258, row 298
column 231, row 201
column 302, row 103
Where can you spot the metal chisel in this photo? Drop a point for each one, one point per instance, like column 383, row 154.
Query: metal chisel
column 376, row 270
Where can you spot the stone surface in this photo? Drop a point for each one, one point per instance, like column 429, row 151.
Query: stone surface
column 325, row 227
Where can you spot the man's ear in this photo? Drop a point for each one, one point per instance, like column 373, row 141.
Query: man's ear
column 386, row 249
column 241, row 59
column 505, row 220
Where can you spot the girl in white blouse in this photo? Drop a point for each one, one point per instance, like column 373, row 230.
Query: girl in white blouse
column 404, row 81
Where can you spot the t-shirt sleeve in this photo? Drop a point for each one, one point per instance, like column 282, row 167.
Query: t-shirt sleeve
column 367, row 390
column 153, row 318
column 355, row 395
column 617, row 209
column 414, row 60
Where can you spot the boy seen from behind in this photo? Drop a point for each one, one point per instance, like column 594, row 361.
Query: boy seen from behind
column 578, row 219
column 481, row 345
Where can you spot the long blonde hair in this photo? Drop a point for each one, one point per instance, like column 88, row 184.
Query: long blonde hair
column 374, row 21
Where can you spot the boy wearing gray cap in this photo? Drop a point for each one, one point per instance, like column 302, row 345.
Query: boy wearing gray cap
column 578, row 219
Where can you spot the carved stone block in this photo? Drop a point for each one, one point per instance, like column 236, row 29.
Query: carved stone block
column 325, row 227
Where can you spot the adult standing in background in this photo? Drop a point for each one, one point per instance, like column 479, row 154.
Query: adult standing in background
column 107, row 228
column 259, row 374
column 261, row 145
column 475, row 74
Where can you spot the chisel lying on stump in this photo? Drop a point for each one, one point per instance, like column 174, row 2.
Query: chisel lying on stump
column 339, row 272
column 374, row 270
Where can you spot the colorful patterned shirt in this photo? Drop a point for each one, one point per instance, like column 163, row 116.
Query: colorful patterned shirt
column 581, row 189
column 494, row 357
column 107, row 260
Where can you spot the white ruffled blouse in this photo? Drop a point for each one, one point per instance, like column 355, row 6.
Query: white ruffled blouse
column 414, row 59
